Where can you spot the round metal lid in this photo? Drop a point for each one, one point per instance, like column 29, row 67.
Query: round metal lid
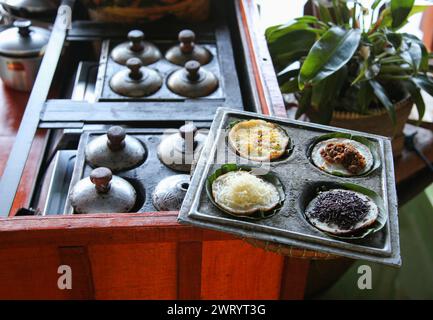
column 102, row 193
column 32, row 5
column 188, row 50
column 23, row 40
column 115, row 150
column 170, row 192
column 192, row 81
column 136, row 48
column 178, row 151
column 136, row 81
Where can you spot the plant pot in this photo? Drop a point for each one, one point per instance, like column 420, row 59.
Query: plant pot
column 186, row 10
column 378, row 122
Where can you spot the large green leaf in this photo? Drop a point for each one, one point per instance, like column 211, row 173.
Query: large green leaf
column 424, row 53
column 424, row 82
column 303, row 23
column 325, row 92
column 417, row 99
column 381, row 94
column 413, row 55
column 332, row 51
column 304, row 102
column 294, row 41
column 400, row 10
column 290, row 86
column 365, row 96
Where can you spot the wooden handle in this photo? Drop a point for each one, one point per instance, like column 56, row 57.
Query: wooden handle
column 136, row 37
column 187, row 38
column 101, row 178
column 193, row 67
column 116, row 138
column 134, row 65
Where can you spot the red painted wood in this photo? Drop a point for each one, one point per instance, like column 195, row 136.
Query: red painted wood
column 237, row 270
column 134, row 271
column 189, row 270
column 427, row 28
column 294, row 278
column 77, row 259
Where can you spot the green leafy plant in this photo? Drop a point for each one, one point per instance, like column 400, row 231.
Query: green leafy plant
column 341, row 61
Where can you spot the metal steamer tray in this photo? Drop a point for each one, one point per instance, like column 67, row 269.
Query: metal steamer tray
column 108, row 68
column 299, row 178
column 145, row 177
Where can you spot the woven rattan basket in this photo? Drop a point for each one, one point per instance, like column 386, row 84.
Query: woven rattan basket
column 141, row 11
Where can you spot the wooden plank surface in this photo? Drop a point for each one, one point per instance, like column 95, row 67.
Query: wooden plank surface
column 134, row 271
column 237, row 270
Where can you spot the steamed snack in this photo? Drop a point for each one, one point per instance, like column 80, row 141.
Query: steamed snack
column 341, row 212
column 343, row 156
column 243, row 193
column 258, row 140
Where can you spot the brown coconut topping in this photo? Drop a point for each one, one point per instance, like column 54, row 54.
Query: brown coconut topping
column 345, row 155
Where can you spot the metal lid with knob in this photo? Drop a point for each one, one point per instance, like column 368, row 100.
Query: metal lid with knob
column 170, row 192
column 178, row 150
column 192, row 81
column 102, row 192
column 115, row 150
column 136, row 80
column 136, row 47
column 23, row 40
column 188, row 50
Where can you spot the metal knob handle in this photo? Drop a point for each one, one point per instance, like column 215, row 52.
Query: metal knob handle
column 134, row 65
column 101, row 178
column 23, row 27
column 193, row 67
column 187, row 38
column 136, row 37
column 116, row 138
column 187, row 132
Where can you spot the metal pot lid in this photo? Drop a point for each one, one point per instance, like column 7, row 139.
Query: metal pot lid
column 188, row 50
column 192, row 81
column 136, row 80
column 32, row 5
column 178, row 151
column 23, row 40
column 136, row 48
column 170, row 192
column 103, row 193
column 115, row 150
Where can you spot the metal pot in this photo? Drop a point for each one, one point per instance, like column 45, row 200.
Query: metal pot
column 192, row 81
column 115, row 150
column 103, row 192
column 170, row 192
column 136, row 47
column 136, row 80
column 179, row 150
column 188, row 50
column 21, row 50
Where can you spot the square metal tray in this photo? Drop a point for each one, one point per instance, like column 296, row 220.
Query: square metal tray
column 144, row 177
column 299, row 176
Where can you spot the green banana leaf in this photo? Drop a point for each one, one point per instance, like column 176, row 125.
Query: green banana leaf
column 400, row 10
column 332, row 51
